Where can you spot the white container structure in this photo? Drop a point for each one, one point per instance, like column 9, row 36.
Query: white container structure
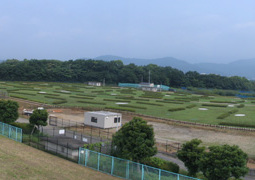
column 103, row 119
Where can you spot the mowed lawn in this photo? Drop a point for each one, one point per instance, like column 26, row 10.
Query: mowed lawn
column 19, row 161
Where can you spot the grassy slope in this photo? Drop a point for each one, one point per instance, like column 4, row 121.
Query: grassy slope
column 18, row 161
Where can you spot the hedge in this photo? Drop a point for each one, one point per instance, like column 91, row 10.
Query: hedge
column 79, row 97
column 92, row 102
column 132, row 106
column 237, row 124
column 116, row 100
column 191, row 106
column 26, row 127
column 176, row 109
column 148, row 103
column 215, row 105
column 59, row 102
column 224, row 115
column 120, row 108
column 240, row 106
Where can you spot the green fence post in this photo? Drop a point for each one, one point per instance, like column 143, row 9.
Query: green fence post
column 112, row 165
column 86, row 157
column 159, row 174
column 79, row 159
column 16, row 134
column 3, row 129
column 142, row 172
column 9, row 131
column 127, row 170
column 98, row 161
column 178, row 177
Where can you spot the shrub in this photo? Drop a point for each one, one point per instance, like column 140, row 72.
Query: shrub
column 237, row 124
column 86, row 95
column 240, row 106
column 176, row 109
column 59, row 102
column 26, row 128
column 92, row 102
column 161, row 164
column 116, row 100
column 214, row 101
column 191, row 106
column 153, row 104
column 120, row 108
column 79, row 97
column 215, row 105
column 132, row 106
column 224, row 115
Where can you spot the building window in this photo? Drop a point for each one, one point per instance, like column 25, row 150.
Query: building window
column 116, row 119
column 94, row 119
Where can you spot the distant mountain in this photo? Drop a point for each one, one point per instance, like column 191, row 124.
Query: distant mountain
column 243, row 68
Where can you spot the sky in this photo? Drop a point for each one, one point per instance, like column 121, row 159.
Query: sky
column 218, row 31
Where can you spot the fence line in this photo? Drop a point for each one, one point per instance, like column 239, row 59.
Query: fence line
column 11, row 132
column 124, row 168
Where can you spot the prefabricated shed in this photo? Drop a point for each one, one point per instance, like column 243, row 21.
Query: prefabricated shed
column 103, row 119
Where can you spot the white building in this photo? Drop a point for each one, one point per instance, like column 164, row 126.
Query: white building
column 91, row 83
column 103, row 119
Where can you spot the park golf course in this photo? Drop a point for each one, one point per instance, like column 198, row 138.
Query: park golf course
column 181, row 105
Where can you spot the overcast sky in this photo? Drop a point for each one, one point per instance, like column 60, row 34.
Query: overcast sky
column 193, row 30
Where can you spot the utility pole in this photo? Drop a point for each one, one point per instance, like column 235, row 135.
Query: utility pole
column 149, row 76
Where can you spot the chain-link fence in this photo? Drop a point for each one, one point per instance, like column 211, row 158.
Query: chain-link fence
column 11, row 132
column 124, row 168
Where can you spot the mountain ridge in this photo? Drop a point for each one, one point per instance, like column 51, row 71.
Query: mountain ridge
column 243, row 68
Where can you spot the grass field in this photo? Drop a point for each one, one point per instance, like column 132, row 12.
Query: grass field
column 179, row 106
column 19, row 161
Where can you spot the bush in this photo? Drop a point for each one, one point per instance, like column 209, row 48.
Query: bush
column 153, row 104
column 92, row 102
column 191, row 106
column 237, row 124
column 176, row 109
column 120, row 108
column 79, row 97
column 161, row 164
column 215, row 105
column 116, row 100
column 132, row 106
column 26, row 128
column 214, row 101
column 224, row 115
column 59, row 102
column 240, row 106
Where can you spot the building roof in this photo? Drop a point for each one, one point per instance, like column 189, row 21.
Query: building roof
column 105, row 113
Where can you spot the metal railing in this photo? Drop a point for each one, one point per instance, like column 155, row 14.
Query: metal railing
column 124, row 168
column 11, row 132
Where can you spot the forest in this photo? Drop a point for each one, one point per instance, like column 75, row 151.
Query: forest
column 114, row 72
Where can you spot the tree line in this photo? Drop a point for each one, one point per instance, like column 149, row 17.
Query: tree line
column 114, row 72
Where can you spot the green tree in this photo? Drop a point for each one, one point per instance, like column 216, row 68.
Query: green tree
column 191, row 154
column 39, row 118
column 134, row 141
column 8, row 111
column 223, row 162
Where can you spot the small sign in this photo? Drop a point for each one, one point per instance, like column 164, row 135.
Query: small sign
column 84, row 139
column 75, row 137
column 61, row 131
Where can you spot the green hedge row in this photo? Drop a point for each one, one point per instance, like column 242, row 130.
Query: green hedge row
column 120, row 108
column 80, row 97
column 59, row 102
column 191, row 106
column 24, row 93
column 116, row 100
column 214, row 101
column 92, row 102
column 240, row 106
column 176, row 109
column 16, row 96
column 62, row 92
column 148, row 103
column 224, row 115
column 86, row 95
column 49, row 94
column 26, row 127
column 172, row 102
column 215, row 105
column 132, row 106
column 237, row 124
column 53, row 97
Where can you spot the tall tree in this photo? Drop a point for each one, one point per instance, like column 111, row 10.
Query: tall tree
column 39, row 118
column 223, row 162
column 134, row 141
column 191, row 154
column 8, row 111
